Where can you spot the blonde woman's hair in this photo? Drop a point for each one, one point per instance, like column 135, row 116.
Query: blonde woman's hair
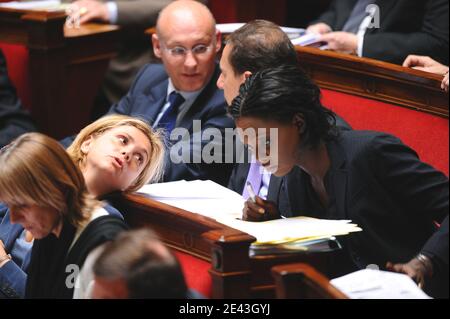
column 152, row 171
column 36, row 170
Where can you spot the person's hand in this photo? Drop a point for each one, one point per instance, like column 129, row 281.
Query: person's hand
column 2, row 249
column 425, row 63
column 260, row 211
column 444, row 85
column 3, row 253
column 341, row 41
column 90, row 10
column 418, row 270
column 319, row 28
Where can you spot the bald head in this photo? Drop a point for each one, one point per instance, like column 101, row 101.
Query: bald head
column 185, row 14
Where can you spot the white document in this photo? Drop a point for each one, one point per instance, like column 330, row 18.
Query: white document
column 293, row 229
column 47, row 5
column 225, row 206
column 375, row 284
column 227, row 28
column 201, row 197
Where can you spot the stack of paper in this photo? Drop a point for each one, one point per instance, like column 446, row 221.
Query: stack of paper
column 294, row 229
column 227, row 28
column 44, row 5
column 375, row 284
column 201, row 197
column 212, row 200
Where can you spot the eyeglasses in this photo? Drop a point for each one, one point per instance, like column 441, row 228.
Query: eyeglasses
column 181, row 52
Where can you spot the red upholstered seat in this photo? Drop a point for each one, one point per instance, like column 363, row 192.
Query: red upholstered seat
column 427, row 134
column 17, row 59
column 195, row 271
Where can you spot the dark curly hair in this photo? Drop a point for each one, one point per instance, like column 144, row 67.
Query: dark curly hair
column 280, row 94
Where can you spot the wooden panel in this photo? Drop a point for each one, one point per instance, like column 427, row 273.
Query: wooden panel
column 376, row 80
column 245, row 11
column 300, row 281
column 66, row 66
column 235, row 274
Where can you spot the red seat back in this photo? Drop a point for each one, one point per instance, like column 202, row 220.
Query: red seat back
column 427, row 134
column 196, row 273
column 17, row 60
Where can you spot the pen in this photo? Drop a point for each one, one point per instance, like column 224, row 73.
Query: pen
column 251, row 192
column 252, row 195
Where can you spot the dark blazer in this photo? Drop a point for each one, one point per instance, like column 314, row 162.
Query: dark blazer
column 380, row 184
column 406, row 27
column 277, row 192
column 13, row 275
column 14, row 120
column 147, row 97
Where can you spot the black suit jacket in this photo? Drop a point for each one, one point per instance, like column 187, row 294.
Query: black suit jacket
column 277, row 191
column 380, row 184
column 406, row 27
column 14, row 120
column 146, row 99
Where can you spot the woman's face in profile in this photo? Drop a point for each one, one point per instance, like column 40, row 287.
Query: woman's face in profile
column 117, row 157
column 274, row 144
column 39, row 221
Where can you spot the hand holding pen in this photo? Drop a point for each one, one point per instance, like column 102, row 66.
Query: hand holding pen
column 257, row 209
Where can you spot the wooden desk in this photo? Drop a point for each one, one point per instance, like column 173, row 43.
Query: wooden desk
column 234, row 273
column 376, row 80
column 66, row 65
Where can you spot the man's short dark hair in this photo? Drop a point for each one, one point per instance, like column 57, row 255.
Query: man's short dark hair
column 280, row 94
column 149, row 270
column 259, row 45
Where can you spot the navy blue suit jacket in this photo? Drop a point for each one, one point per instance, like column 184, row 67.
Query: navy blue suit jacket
column 406, row 27
column 146, row 99
column 380, row 184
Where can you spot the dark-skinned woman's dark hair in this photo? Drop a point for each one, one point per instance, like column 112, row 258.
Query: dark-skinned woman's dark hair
column 282, row 93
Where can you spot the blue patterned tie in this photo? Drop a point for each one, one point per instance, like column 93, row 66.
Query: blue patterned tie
column 357, row 16
column 169, row 119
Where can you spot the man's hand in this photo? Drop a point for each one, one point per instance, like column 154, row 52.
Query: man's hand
column 344, row 42
column 260, row 211
column 418, row 270
column 90, row 10
column 319, row 28
column 444, row 85
column 425, row 63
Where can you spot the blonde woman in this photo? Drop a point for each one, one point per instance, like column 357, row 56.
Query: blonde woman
column 115, row 153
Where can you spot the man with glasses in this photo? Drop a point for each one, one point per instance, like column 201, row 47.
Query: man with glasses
column 182, row 91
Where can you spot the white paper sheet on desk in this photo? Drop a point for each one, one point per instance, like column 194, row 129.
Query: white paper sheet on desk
column 375, row 284
column 231, row 27
column 201, row 197
column 47, row 5
column 215, row 201
column 293, row 229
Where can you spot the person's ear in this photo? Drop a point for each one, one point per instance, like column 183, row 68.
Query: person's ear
column 218, row 41
column 247, row 74
column 86, row 145
column 156, row 46
column 299, row 122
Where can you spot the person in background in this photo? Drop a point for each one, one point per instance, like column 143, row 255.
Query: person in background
column 181, row 96
column 388, row 31
column 368, row 177
column 427, row 64
column 134, row 48
column 14, row 120
column 109, row 153
column 136, row 265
